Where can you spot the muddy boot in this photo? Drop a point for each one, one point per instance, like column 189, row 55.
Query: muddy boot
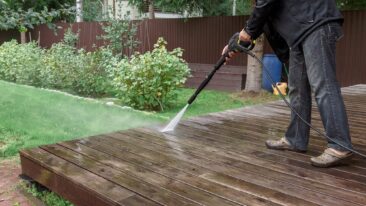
column 331, row 157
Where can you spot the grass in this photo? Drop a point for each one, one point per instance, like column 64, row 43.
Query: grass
column 213, row 101
column 43, row 194
column 31, row 117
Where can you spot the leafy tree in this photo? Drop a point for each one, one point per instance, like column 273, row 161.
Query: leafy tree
column 120, row 36
column 204, row 7
column 21, row 16
column 93, row 10
column 351, row 4
column 37, row 5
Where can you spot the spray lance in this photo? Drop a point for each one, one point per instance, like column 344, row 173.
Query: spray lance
column 234, row 45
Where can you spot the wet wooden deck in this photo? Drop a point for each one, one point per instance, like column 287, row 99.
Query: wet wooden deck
column 218, row 159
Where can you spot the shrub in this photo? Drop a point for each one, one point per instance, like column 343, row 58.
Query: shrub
column 149, row 81
column 94, row 79
column 120, row 35
column 61, row 67
column 21, row 63
column 80, row 72
column 71, row 38
column 62, row 63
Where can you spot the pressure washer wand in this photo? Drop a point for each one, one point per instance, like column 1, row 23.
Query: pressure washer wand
column 208, row 77
column 234, row 45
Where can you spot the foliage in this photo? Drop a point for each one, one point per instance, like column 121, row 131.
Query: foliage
column 70, row 38
column 46, row 196
column 94, row 79
column 37, row 5
column 14, row 15
column 93, row 10
column 61, row 64
column 204, row 7
column 60, row 67
column 21, row 63
column 149, row 81
column 351, row 4
column 120, row 35
column 77, row 71
column 80, row 72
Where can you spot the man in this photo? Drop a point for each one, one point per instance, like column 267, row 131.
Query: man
column 310, row 29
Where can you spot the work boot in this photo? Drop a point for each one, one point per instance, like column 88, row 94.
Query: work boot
column 331, row 157
column 282, row 144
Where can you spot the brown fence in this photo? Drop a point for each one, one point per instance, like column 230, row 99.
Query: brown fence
column 203, row 39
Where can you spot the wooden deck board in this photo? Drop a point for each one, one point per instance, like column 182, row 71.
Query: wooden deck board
column 218, row 159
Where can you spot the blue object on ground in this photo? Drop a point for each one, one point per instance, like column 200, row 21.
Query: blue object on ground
column 274, row 67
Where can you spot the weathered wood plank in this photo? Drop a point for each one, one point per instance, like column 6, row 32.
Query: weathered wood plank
column 251, row 163
column 245, row 172
column 249, row 125
column 79, row 186
column 257, row 139
column 145, row 175
column 117, row 156
column 238, row 146
column 157, row 194
column 198, row 170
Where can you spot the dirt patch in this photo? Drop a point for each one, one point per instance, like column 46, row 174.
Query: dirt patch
column 10, row 191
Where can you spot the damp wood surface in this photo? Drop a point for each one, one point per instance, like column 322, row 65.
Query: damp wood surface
column 216, row 160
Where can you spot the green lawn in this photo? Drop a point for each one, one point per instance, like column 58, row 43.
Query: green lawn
column 213, row 101
column 31, row 117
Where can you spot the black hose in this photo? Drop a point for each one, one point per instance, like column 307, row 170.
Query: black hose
column 269, row 77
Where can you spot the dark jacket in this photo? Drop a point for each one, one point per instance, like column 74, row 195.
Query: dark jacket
column 277, row 42
column 292, row 19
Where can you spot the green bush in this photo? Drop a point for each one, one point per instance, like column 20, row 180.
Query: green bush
column 94, row 79
column 84, row 73
column 149, row 81
column 21, row 63
column 62, row 64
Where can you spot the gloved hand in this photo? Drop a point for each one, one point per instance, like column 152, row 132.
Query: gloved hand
column 244, row 37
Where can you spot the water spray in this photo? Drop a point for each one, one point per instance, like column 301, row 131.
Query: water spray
column 234, row 45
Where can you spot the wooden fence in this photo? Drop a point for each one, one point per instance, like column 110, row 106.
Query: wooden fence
column 203, row 39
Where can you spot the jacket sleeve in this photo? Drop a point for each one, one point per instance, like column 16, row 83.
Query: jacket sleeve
column 278, row 44
column 259, row 17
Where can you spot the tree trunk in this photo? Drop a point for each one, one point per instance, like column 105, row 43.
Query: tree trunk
column 23, row 38
column 234, row 7
column 254, row 68
column 114, row 9
column 105, row 9
column 151, row 10
column 79, row 10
